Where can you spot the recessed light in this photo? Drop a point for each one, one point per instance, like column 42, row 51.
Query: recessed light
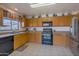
column 16, row 9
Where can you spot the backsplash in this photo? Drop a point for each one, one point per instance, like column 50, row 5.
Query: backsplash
column 53, row 28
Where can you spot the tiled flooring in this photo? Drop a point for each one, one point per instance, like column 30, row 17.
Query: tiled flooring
column 33, row 49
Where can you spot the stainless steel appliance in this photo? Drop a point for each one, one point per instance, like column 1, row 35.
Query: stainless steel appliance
column 75, row 28
column 6, row 45
column 75, row 36
column 47, row 33
column 47, row 24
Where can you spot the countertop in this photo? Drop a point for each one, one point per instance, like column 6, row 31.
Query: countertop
column 15, row 33
column 10, row 34
column 38, row 29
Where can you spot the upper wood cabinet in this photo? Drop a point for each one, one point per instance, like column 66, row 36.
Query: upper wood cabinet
column 35, row 22
column 29, row 22
column 1, row 12
column 62, row 20
column 1, row 15
column 39, row 22
column 4, row 13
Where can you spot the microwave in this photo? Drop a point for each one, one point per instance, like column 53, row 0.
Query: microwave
column 47, row 24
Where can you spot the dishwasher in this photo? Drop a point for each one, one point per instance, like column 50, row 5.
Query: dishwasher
column 6, row 45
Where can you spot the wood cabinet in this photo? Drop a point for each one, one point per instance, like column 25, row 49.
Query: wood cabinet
column 35, row 22
column 35, row 37
column 56, row 21
column 62, row 20
column 20, row 39
column 4, row 13
column 61, row 39
column 1, row 12
column 1, row 22
column 28, row 22
column 32, row 36
column 38, row 37
column 1, row 15
column 39, row 22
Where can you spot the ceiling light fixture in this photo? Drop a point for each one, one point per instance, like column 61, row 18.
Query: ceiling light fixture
column 41, row 4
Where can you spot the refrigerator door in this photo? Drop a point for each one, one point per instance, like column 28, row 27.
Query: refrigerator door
column 75, row 28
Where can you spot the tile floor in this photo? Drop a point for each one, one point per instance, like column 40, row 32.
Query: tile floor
column 33, row 49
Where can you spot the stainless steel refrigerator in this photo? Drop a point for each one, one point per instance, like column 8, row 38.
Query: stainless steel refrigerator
column 75, row 36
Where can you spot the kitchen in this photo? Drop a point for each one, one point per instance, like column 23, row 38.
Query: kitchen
column 18, row 29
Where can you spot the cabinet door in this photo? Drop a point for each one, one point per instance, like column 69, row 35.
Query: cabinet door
column 61, row 20
column 32, row 36
column 38, row 37
column 35, row 22
column 19, row 40
column 61, row 39
column 5, row 13
column 1, row 15
column 35, row 37
column 57, row 39
column 28, row 23
column 68, row 20
column 1, row 21
column 57, row 21
column 39, row 22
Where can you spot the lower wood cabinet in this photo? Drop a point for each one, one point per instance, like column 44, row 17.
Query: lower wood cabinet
column 38, row 37
column 61, row 39
column 32, row 36
column 20, row 39
column 35, row 37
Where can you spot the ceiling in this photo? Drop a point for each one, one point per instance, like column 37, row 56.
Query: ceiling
column 55, row 8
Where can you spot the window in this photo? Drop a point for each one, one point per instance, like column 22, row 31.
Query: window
column 10, row 24
column 6, row 21
column 15, row 25
column 6, row 24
